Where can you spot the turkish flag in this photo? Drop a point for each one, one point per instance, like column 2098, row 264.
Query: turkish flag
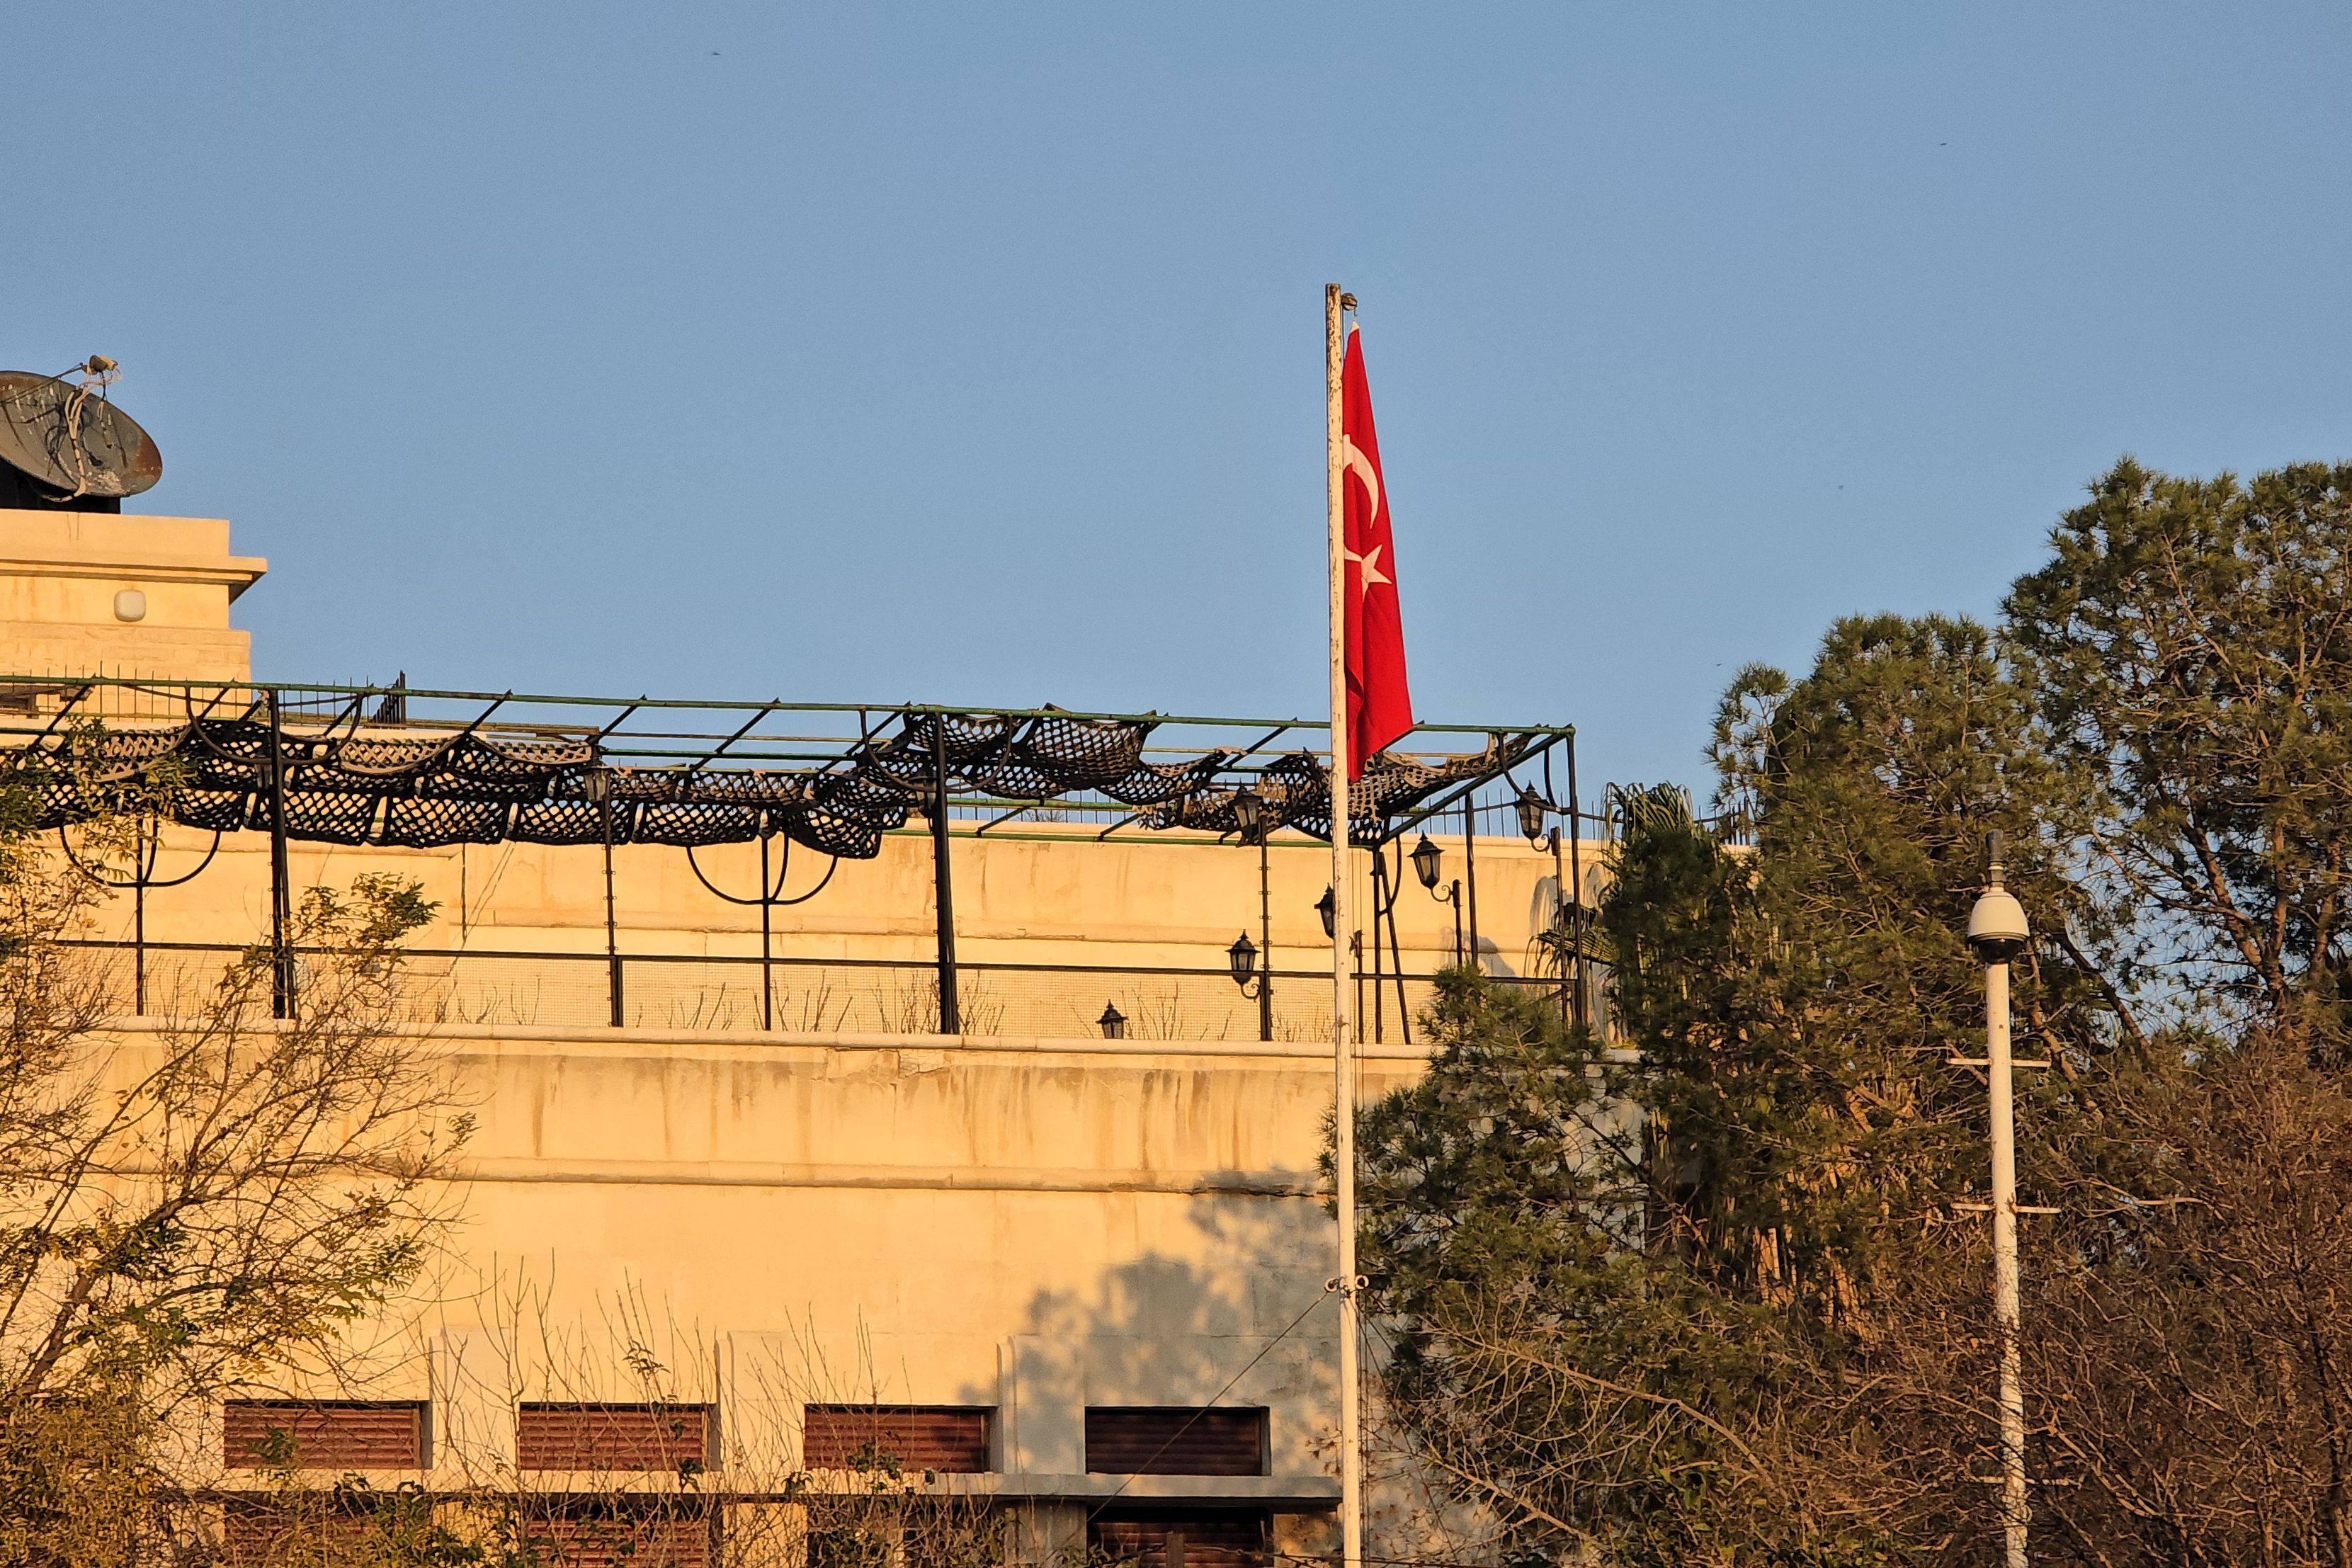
column 1380, row 708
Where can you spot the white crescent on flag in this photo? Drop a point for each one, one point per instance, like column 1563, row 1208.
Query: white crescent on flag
column 1353, row 460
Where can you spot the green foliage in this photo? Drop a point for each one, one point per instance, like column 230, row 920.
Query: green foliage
column 78, row 1481
column 1479, row 1174
column 1797, row 1005
column 1733, row 1233
column 1742, row 1263
column 188, row 1206
column 2189, row 646
column 1558, row 1373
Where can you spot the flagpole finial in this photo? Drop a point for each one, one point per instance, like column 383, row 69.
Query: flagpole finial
column 1346, row 301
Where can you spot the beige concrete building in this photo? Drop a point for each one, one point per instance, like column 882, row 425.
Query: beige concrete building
column 91, row 593
column 1014, row 1250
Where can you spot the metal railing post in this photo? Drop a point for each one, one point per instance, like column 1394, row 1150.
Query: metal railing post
column 767, row 942
column 612, row 922
column 281, row 908
column 1576, row 884
column 142, row 864
column 1470, row 872
column 942, row 884
column 1379, row 865
column 1264, row 938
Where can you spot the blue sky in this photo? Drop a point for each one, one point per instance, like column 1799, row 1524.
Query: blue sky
column 972, row 354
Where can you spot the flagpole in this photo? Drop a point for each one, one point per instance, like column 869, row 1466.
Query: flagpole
column 1343, row 1051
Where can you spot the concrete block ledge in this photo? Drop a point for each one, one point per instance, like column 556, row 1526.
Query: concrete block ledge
column 577, row 1040
column 1305, row 1494
column 936, row 1178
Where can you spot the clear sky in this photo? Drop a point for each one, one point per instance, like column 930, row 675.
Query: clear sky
column 974, row 353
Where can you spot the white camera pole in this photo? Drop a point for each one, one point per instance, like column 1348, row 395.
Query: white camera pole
column 1998, row 931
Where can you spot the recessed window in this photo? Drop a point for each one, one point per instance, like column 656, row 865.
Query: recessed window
column 323, row 1435
column 1179, row 1538
column 312, row 1527
column 619, row 1533
column 891, row 1530
column 639, row 1438
column 130, row 604
column 903, row 1438
column 1175, row 1440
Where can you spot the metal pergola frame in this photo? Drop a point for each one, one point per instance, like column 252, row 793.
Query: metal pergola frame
column 394, row 764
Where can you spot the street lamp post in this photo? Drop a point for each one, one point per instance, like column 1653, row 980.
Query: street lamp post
column 1242, row 959
column 1532, row 809
column 1998, row 931
column 1249, row 815
column 1328, row 908
column 596, row 784
column 1426, row 859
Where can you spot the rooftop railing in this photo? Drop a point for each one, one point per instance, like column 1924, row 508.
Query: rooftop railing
column 416, row 768
column 848, row 997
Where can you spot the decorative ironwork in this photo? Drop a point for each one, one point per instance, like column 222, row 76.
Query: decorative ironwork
column 425, row 769
column 421, row 783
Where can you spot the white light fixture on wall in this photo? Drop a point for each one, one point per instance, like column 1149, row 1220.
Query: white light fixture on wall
column 130, row 604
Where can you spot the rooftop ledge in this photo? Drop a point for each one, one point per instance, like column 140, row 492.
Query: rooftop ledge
column 1298, row 1493
column 745, row 1044
column 51, row 543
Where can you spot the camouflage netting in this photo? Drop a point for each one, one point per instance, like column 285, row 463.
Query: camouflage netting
column 365, row 784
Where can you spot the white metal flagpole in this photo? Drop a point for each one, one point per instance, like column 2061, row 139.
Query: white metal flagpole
column 1343, row 1048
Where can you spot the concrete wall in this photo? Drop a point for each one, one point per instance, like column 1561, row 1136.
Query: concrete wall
column 1032, row 1225
column 63, row 576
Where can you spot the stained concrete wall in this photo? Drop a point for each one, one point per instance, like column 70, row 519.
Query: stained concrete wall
column 1032, row 1225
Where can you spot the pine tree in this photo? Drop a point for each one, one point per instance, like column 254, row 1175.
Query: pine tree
column 1719, row 1296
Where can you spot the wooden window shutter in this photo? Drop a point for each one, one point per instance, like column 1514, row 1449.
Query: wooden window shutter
column 1133, row 1440
column 1213, row 1539
column 619, row 1536
column 318, row 1528
column 324, row 1435
column 641, row 1437
column 951, row 1438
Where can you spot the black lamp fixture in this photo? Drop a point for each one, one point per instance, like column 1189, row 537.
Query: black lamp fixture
column 1328, row 908
column 596, row 784
column 1532, row 809
column 1113, row 1022
column 1249, row 814
column 1426, row 858
column 1243, row 956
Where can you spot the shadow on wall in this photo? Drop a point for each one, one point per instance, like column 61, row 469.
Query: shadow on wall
column 1247, row 1322
column 1222, row 1300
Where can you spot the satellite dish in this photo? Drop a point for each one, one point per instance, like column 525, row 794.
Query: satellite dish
column 70, row 442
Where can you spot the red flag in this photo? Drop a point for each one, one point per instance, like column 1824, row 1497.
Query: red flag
column 1380, row 708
